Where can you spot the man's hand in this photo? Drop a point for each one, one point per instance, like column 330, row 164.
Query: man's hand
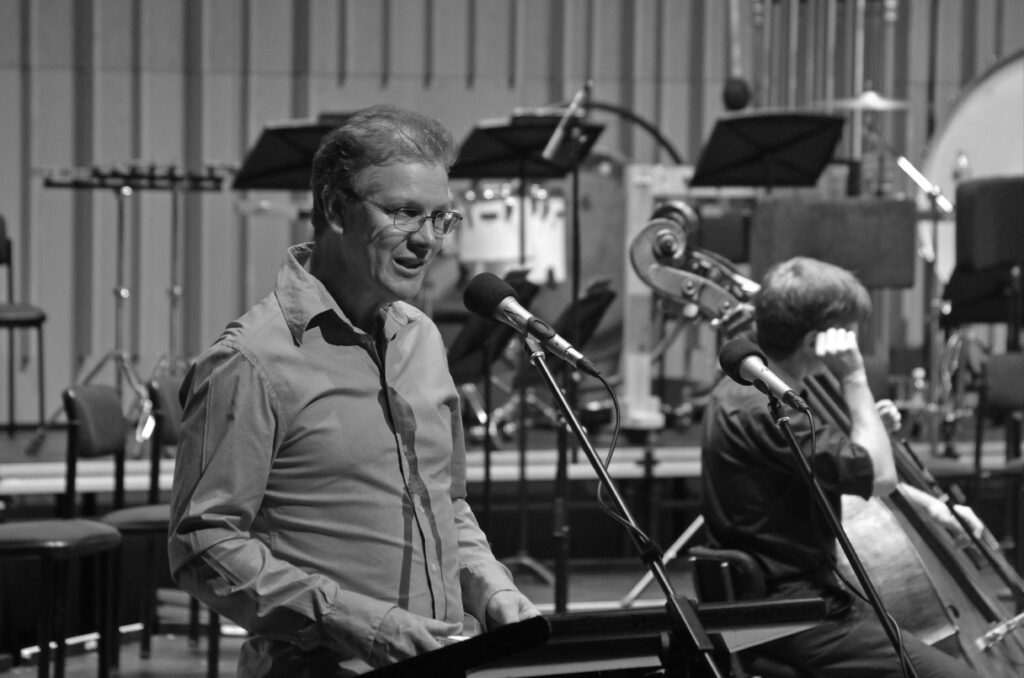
column 890, row 414
column 939, row 512
column 837, row 348
column 507, row 607
column 402, row 635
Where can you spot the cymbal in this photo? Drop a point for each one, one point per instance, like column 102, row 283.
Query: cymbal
column 869, row 100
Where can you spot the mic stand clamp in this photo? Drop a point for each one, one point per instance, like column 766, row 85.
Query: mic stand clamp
column 689, row 651
column 782, row 421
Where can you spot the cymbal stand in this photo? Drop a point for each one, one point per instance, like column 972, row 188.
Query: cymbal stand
column 124, row 368
column 125, row 182
column 940, row 204
column 690, row 647
column 174, row 362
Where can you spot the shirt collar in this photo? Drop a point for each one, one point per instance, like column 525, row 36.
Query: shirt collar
column 303, row 297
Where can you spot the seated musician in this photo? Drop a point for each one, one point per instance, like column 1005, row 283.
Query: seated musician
column 319, row 496
column 757, row 500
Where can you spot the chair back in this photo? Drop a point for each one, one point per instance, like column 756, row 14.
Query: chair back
column 726, row 575
column 97, row 428
column 1004, row 382
column 163, row 393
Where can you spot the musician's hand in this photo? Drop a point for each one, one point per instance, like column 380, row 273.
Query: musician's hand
column 402, row 635
column 507, row 607
column 890, row 414
column 939, row 511
column 837, row 348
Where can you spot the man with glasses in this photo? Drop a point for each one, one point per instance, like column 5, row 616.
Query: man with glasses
column 319, row 496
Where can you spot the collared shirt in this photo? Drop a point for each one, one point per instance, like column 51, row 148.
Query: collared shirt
column 755, row 496
column 321, row 476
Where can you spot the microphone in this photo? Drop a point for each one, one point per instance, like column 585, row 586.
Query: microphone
column 551, row 149
column 745, row 364
column 490, row 296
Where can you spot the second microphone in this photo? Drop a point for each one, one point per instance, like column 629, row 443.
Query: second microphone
column 490, row 296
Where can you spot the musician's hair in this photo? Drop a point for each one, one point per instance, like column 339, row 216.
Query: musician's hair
column 802, row 295
column 374, row 136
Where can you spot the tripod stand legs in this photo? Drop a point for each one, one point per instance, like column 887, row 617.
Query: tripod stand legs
column 678, row 545
column 124, row 370
column 522, row 558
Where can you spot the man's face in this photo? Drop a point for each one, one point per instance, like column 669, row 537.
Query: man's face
column 376, row 262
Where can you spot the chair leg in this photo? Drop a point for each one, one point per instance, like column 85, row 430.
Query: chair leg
column 147, row 601
column 10, row 382
column 45, row 623
column 212, row 644
column 107, row 624
column 62, row 616
column 114, row 600
column 193, row 622
column 42, row 377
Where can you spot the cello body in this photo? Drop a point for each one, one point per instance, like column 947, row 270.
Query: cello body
column 964, row 607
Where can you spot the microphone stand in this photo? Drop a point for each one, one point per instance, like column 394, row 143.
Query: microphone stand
column 782, row 421
column 689, row 642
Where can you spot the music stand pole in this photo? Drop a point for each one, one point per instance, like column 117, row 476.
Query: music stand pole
column 523, row 557
column 687, row 628
column 173, row 362
column 561, row 502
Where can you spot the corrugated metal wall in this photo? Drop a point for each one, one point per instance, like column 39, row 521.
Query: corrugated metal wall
column 188, row 83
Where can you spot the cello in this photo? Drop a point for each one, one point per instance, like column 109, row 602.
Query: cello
column 986, row 632
column 953, row 605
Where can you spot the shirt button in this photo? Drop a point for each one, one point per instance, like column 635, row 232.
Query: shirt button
column 433, row 566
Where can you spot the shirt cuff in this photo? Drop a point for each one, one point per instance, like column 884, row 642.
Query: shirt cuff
column 352, row 621
column 480, row 581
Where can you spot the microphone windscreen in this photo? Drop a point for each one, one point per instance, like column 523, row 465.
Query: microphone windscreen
column 733, row 353
column 484, row 292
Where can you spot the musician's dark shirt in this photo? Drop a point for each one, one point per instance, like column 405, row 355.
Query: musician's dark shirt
column 757, row 500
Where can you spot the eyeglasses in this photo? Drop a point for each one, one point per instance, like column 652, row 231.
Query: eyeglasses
column 409, row 220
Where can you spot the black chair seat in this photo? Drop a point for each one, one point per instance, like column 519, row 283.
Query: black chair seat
column 56, row 538
column 135, row 519
column 21, row 315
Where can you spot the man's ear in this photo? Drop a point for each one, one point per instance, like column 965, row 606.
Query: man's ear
column 809, row 340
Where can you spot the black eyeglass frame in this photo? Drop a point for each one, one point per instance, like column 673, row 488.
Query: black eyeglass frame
column 446, row 226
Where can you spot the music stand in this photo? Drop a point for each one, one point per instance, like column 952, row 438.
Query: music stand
column 471, row 355
column 282, row 157
column 513, row 147
column 768, row 149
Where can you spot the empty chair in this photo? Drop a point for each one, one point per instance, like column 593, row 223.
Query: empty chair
column 53, row 544
column 1001, row 396
column 728, row 575
column 163, row 393
column 14, row 316
column 99, row 429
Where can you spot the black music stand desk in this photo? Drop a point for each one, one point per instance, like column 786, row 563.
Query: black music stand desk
column 282, row 157
column 768, row 149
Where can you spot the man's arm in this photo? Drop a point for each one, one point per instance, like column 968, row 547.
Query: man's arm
column 838, row 348
column 228, row 440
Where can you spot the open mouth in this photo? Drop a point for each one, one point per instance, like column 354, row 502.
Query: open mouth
column 410, row 263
